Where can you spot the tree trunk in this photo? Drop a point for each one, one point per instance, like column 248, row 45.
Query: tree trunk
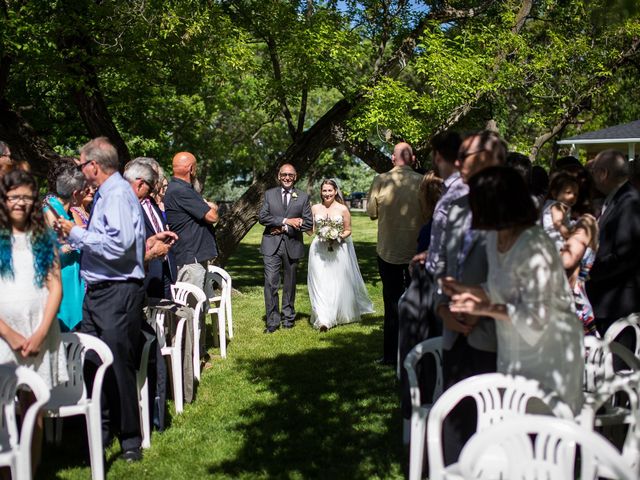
column 243, row 215
column 24, row 142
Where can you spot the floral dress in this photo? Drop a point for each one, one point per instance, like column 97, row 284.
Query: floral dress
column 583, row 305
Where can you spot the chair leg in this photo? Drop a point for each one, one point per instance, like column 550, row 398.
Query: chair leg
column 222, row 335
column 176, row 375
column 416, row 455
column 94, row 434
column 228, row 315
column 145, row 421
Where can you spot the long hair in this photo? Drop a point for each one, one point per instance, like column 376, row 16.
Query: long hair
column 334, row 184
column 43, row 240
column 430, row 192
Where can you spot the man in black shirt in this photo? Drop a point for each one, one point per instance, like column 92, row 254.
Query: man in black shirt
column 192, row 219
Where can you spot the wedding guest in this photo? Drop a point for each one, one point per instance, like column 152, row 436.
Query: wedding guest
column 578, row 254
column 556, row 211
column 68, row 185
column 6, row 163
column 526, row 292
column 394, row 202
column 112, row 265
column 161, row 190
column 81, row 207
column 614, row 283
column 192, row 219
column 31, row 289
column 469, row 344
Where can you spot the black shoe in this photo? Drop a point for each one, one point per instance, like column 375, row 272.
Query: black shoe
column 323, row 328
column 132, row 455
column 270, row 329
column 288, row 325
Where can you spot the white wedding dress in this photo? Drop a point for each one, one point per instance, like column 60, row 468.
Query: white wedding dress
column 336, row 289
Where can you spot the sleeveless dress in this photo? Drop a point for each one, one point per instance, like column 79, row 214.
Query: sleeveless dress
column 22, row 305
column 337, row 292
column 70, row 312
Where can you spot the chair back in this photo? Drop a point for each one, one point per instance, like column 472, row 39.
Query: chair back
column 12, row 439
column 497, row 397
column 631, row 322
column 180, row 292
column 156, row 315
column 433, row 347
column 77, row 345
column 532, row 447
column 223, row 279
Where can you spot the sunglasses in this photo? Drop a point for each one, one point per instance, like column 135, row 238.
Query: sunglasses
column 80, row 166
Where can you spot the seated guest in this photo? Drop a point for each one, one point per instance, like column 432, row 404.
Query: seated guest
column 527, row 292
column 70, row 184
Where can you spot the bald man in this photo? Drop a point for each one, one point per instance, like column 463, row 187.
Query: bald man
column 192, row 218
column 394, row 202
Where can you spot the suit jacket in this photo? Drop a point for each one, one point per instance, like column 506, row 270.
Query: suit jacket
column 466, row 262
column 614, row 282
column 272, row 215
column 154, row 280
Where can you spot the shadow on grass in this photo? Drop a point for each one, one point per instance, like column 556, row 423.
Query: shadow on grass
column 331, row 415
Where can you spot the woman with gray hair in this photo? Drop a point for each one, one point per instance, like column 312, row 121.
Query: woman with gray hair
column 70, row 185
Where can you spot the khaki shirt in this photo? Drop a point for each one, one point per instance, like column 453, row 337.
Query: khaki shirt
column 394, row 201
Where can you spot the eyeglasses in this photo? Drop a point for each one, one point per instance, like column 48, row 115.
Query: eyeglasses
column 145, row 182
column 80, row 166
column 287, row 175
column 27, row 199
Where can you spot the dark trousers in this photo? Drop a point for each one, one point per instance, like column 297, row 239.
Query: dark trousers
column 462, row 361
column 395, row 280
column 114, row 315
column 272, row 266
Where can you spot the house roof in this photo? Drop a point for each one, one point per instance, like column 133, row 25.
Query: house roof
column 625, row 133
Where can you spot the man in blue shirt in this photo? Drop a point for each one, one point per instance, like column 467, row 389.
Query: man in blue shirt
column 112, row 265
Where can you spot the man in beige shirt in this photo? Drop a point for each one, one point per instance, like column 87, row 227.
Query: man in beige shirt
column 394, row 202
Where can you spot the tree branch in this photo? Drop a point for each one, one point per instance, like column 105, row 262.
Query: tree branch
column 302, row 114
column 280, row 93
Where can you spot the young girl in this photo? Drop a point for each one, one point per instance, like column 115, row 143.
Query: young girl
column 556, row 212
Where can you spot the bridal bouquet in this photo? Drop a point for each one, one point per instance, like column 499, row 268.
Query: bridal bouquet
column 329, row 231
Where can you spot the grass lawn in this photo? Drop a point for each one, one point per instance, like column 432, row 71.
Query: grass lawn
column 295, row 404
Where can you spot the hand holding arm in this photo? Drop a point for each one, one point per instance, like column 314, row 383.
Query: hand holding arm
column 13, row 338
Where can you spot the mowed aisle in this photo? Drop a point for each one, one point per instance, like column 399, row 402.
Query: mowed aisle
column 295, row 404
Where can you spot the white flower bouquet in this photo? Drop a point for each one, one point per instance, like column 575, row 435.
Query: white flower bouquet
column 329, row 231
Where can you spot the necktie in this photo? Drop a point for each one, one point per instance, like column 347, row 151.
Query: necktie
column 156, row 226
column 285, row 198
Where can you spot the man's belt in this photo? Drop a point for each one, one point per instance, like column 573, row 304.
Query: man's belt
column 109, row 283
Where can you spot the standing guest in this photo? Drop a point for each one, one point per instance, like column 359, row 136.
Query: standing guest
column 614, row 283
column 469, row 343
column 161, row 189
column 526, row 291
column 30, row 286
column 161, row 271
column 112, row 265
column 69, row 185
column 192, row 219
column 445, row 152
column 394, row 202
column 6, row 163
column 81, row 206
column 285, row 214
column 521, row 164
column 430, row 192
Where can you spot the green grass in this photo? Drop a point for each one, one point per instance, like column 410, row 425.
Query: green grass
column 296, row 404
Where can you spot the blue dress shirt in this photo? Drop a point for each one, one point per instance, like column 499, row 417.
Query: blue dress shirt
column 113, row 244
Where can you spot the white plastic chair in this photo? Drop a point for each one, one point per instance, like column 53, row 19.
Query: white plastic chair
column 173, row 351
column 180, row 292
column 70, row 399
column 598, row 365
column 15, row 444
column 630, row 322
column 220, row 305
column 420, row 407
column 497, row 397
column 551, row 454
column 143, row 391
column 608, row 407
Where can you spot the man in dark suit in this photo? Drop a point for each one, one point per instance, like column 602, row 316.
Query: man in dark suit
column 614, row 284
column 285, row 214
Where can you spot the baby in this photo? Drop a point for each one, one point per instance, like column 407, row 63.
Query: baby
column 556, row 212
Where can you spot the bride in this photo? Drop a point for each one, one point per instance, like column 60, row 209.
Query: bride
column 336, row 289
